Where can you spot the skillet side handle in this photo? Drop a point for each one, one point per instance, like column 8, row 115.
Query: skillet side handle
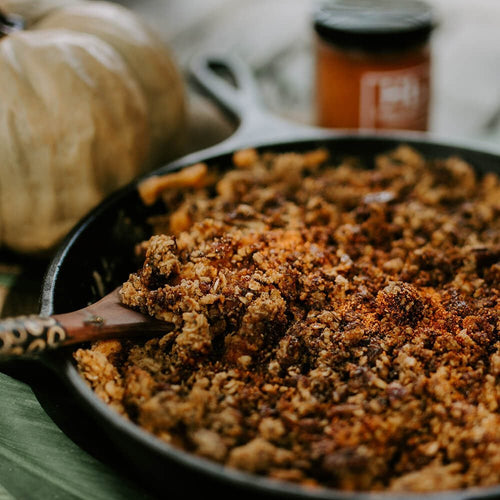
column 242, row 101
column 25, row 335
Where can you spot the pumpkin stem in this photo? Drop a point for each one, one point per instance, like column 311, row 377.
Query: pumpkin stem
column 9, row 24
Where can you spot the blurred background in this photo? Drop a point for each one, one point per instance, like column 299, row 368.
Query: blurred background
column 275, row 37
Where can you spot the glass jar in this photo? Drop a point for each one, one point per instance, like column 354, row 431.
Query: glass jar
column 373, row 63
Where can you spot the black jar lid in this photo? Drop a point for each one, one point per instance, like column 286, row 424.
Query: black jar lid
column 374, row 25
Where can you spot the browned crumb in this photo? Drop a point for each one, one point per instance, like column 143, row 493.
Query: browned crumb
column 245, row 158
column 335, row 327
column 151, row 188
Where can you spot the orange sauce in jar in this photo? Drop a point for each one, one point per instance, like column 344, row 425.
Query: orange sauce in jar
column 373, row 64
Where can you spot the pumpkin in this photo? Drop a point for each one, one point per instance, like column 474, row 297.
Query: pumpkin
column 91, row 98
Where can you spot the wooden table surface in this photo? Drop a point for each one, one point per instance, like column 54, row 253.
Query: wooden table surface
column 275, row 39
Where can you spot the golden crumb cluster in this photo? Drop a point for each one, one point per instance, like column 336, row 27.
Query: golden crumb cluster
column 333, row 327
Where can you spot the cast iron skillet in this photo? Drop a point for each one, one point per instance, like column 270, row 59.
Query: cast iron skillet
column 98, row 255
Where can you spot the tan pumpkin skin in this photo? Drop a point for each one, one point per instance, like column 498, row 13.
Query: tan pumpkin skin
column 76, row 119
column 33, row 10
column 146, row 57
column 63, row 145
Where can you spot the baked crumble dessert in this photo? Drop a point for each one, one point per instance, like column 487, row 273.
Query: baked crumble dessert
column 334, row 327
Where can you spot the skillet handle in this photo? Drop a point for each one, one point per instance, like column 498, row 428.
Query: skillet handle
column 26, row 335
column 239, row 99
column 242, row 101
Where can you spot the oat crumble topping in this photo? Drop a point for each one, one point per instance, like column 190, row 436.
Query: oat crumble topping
column 333, row 327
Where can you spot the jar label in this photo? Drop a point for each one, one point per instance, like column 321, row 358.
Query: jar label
column 397, row 99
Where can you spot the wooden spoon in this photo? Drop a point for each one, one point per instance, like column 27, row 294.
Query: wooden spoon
column 107, row 318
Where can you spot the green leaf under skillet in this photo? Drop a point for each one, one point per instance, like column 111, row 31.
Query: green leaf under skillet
column 38, row 461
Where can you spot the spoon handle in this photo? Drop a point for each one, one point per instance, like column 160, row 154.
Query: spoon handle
column 105, row 319
column 30, row 334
